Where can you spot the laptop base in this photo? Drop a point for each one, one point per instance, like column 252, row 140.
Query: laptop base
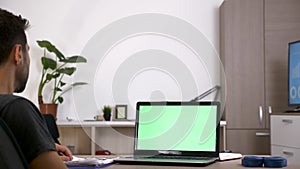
column 165, row 162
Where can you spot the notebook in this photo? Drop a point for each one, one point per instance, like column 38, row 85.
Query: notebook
column 175, row 133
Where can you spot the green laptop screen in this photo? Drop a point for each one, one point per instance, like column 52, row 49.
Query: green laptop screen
column 177, row 127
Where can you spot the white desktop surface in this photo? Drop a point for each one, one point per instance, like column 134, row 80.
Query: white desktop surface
column 231, row 164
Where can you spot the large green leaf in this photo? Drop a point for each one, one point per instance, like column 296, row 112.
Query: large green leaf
column 74, row 59
column 67, row 70
column 51, row 48
column 48, row 63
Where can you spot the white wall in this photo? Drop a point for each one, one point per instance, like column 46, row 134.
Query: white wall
column 74, row 25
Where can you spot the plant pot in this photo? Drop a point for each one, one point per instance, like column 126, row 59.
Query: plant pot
column 49, row 109
column 106, row 117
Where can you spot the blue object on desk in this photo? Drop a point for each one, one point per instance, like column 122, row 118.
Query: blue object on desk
column 252, row 161
column 90, row 167
column 270, row 162
column 275, row 162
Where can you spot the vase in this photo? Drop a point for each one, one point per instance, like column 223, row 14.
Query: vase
column 49, row 109
column 106, row 117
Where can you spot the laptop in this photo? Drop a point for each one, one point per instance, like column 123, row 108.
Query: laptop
column 175, row 133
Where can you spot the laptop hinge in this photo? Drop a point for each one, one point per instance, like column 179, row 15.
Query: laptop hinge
column 169, row 152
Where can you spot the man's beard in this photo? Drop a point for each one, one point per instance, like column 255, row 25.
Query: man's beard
column 22, row 81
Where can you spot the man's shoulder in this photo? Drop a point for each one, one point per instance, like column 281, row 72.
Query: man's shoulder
column 6, row 99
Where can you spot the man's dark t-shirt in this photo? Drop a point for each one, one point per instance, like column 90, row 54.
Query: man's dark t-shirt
column 27, row 124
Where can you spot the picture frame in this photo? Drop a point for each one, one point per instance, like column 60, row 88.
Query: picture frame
column 121, row 112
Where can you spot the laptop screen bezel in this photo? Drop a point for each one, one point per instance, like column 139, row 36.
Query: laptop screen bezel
column 139, row 152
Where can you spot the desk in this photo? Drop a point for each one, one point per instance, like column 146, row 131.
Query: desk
column 233, row 164
column 89, row 136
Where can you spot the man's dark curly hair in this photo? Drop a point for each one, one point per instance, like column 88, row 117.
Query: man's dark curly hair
column 12, row 32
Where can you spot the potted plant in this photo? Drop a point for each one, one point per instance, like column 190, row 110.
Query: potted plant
column 54, row 70
column 106, row 112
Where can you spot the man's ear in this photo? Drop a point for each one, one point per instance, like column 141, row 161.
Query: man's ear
column 17, row 54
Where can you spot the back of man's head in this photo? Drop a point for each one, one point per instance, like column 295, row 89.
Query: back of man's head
column 12, row 31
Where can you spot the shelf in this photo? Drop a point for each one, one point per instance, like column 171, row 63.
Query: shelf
column 65, row 123
column 131, row 123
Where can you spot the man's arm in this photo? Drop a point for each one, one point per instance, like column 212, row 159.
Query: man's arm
column 47, row 160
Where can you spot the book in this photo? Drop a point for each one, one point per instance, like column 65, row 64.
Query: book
column 89, row 161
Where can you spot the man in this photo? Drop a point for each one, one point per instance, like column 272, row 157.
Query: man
column 21, row 115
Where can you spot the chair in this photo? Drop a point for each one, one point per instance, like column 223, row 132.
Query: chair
column 52, row 127
column 11, row 156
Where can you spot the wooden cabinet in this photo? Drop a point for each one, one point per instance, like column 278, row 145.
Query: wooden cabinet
column 242, row 54
column 243, row 59
column 284, row 137
column 248, row 141
column 282, row 25
column 254, row 51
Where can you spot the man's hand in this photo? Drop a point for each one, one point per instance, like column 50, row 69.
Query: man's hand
column 64, row 153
